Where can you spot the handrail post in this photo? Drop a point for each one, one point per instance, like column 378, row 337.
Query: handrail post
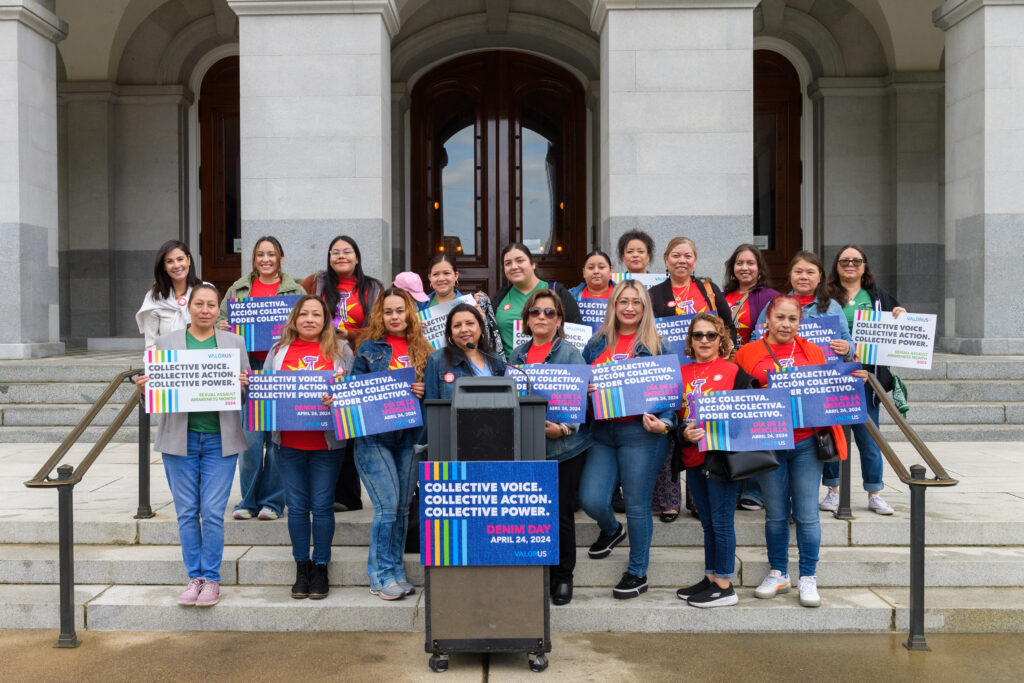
column 916, row 641
column 844, row 511
column 145, row 510
column 66, row 538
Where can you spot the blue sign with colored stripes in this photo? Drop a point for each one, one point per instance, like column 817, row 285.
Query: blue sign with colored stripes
column 744, row 420
column 374, row 403
column 488, row 513
column 823, row 395
column 592, row 312
column 259, row 320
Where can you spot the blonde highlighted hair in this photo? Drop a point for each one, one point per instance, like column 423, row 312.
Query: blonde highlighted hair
column 419, row 347
column 646, row 333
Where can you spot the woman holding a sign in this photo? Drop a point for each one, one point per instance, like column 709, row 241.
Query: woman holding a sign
column 258, row 478
column 309, row 461
column 793, row 487
column 746, row 288
column 165, row 307
column 852, row 284
column 707, row 342
column 522, row 281
column 386, row 463
column 467, row 353
column 444, row 281
column 543, row 321
column 627, row 449
column 199, row 453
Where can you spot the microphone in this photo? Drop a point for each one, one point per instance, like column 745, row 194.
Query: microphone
column 529, row 385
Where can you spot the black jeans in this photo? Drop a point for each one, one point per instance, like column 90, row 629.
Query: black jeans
column 569, row 472
column 348, row 491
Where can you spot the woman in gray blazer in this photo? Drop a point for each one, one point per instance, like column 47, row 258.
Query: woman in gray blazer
column 199, row 453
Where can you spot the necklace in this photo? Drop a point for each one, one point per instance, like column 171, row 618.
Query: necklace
column 787, row 363
column 707, row 369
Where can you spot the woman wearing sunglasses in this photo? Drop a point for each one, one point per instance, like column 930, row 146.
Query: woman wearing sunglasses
column 852, row 284
column 543, row 319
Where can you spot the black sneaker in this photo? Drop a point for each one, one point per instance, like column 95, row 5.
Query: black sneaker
column 318, row 584
column 687, row 593
column 715, row 597
column 630, row 586
column 604, row 543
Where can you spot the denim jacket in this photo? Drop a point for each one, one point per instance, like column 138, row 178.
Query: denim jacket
column 811, row 311
column 578, row 440
column 577, row 291
column 596, row 346
column 437, row 368
column 373, row 355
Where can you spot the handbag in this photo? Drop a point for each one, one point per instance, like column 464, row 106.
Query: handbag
column 738, row 465
column 826, row 443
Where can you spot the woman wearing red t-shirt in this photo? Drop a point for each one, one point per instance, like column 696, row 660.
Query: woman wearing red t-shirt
column 746, row 288
column 392, row 340
column 310, row 461
column 708, row 344
column 794, row 485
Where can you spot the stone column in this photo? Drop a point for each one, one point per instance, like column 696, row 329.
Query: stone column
column 316, row 127
column 30, row 309
column 677, row 97
column 984, row 212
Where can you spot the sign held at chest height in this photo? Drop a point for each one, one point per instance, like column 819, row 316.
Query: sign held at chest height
column 192, row 381
column 374, row 403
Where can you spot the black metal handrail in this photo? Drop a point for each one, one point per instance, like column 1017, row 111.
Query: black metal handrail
column 67, row 477
column 915, row 479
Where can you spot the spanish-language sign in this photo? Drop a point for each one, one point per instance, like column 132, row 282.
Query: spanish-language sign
column 577, row 335
column 820, row 332
column 823, row 395
column 192, row 381
column 433, row 319
column 374, row 403
column 592, row 312
column 288, row 401
column 903, row 342
column 259, row 320
column 648, row 280
column 488, row 513
column 674, row 329
column 648, row 384
column 745, row 420
column 564, row 386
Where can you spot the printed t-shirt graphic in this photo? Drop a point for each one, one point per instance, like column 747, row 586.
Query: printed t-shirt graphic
column 350, row 312
column 790, row 356
column 688, row 299
column 304, row 355
column 399, row 352
column 623, row 350
column 740, row 315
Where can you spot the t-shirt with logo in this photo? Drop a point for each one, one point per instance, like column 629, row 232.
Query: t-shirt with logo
column 698, row 379
column 790, row 356
column 259, row 289
column 305, row 355
column 538, row 353
column 399, row 352
column 740, row 314
column 510, row 309
column 350, row 312
column 688, row 299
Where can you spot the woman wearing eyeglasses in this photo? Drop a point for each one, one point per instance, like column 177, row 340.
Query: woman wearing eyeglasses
column 852, row 284
column 543, row 320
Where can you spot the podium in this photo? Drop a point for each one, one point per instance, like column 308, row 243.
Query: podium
column 487, row 608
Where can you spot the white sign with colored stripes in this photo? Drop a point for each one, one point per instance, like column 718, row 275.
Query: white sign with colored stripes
column 192, row 381
column 904, row 342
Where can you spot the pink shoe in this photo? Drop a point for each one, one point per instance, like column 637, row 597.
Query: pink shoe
column 188, row 598
column 209, row 595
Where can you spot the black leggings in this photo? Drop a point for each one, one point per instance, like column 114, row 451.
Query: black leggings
column 569, row 472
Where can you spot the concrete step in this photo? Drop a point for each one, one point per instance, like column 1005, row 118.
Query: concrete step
column 51, row 434
column 947, row 413
column 60, row 415
column 955, row 366
column 965, row 390
column 26, row 606
column 70, row 371
column 962, row 610
column 932, row 433
column 61, row 392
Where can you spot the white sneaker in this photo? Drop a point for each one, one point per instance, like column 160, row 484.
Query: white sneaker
column 877, row 504
column 830, row 503
column 809, row 592
column 775, row 583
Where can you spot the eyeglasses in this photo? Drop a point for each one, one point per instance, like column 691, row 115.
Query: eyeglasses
column 346, row 252
column 548, row 312
column 852, row 261
column 710, row 336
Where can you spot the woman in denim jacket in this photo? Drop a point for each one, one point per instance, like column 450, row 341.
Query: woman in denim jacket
column 464, row 328
column 386, row 462
column 630, row 449
column 543, row 319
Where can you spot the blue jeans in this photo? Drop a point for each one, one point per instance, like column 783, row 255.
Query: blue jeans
column 387, row 466
column 200, row 483
column 258, row 477
column 309, row 478
column 870, row 455
column 716, row 505
column 626, row 452
column 751, row 490
column 794, row 483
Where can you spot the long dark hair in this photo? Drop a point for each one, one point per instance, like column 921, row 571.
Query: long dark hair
column 162, row 284
column 821, row 296
column 452, row 353
column 255, row 247
column 363, row 282
column 834, row 285
column 731, row 283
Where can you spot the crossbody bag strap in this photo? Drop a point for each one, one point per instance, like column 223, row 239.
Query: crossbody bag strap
column 772, row 353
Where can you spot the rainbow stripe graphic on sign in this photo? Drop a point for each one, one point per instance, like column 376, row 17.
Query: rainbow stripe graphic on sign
column 350, row 422
column 446, row 543
column 609, row 403
column 162, row 400
column 796, row 403
column 246, row 332
column 161, row 356
column 866, row 353
column 716, row 436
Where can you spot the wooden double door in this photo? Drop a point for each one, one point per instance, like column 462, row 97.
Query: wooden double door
column 498, row 156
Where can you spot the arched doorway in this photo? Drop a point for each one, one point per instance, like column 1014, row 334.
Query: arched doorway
column 777, row 172
column 220, row 175
column 498, row 155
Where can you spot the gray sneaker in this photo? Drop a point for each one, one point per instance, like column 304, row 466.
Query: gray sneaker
column 407, row 587
column 830, row 503
column 392, row 591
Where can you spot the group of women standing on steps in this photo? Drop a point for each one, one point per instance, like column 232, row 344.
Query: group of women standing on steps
column 350, row 323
